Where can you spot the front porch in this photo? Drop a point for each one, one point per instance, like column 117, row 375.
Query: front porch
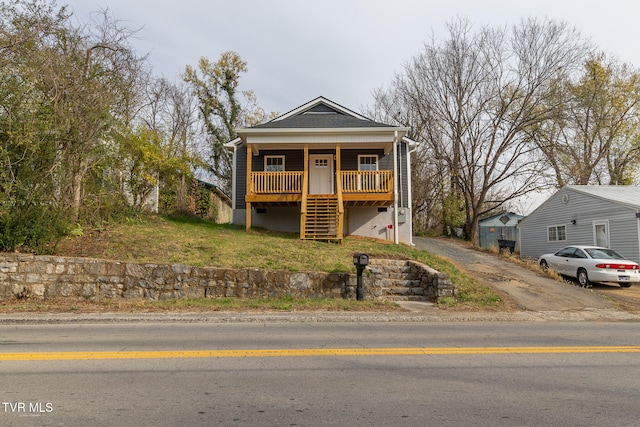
column 322, row 209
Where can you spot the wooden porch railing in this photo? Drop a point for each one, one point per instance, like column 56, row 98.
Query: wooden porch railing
column 276, row 182
column 352, row 182
column 367, row 181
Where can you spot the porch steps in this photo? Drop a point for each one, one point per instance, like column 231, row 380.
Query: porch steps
column 322, row 218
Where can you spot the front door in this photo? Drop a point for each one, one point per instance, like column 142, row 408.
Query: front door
column 321, row 174
column 601, row 233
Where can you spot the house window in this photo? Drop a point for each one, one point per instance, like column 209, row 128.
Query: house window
column 557, row 233
column 274, row 163
column 367, row 163
column 367, row 182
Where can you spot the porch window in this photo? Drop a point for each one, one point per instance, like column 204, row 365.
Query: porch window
column 557, row 233
column 274, row 163
column 367, row 163
column 368, row 181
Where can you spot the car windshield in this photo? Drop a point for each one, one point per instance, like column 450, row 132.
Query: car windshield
column 601, row 253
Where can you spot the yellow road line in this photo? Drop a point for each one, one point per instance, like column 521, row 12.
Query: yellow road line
column 309, row 352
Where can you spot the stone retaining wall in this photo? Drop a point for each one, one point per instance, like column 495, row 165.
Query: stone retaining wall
column 23, row 276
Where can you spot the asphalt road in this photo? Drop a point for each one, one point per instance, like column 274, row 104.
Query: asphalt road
column 333, row 374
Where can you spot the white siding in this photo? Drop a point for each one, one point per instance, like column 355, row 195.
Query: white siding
column 584, row 209
column 368, row 222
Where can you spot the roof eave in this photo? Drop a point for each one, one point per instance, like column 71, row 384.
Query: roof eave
column 372, row 129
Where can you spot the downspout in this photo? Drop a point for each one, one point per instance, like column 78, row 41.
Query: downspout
column 410, row 192
column 396, row 235
column 638, row 221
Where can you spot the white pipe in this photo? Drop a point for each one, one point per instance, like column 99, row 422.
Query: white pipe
column 410, row 193
column 396, row 236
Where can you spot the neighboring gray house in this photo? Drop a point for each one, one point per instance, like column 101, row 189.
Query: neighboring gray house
column 498, row 227
column 324, row 171
column 602, row 215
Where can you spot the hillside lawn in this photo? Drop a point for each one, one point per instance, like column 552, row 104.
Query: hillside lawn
column 195, row 242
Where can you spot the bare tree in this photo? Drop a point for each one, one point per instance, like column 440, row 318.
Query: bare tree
column 474, row 96
column 172, row 115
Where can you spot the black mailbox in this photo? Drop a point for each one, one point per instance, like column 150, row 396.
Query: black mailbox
column 360, row 260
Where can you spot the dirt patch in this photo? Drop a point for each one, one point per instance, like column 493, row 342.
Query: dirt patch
column 625, row 298
column 90, row 245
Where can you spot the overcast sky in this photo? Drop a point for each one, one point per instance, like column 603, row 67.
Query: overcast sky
column 297, row 50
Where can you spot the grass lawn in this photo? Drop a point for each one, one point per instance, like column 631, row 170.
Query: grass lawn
column 191, row 241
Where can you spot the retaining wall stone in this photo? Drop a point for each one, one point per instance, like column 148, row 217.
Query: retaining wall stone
column 23, row 276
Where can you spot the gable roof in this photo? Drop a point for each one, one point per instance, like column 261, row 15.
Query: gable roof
column 495, row 220
column 322, row 116
column 626, row 195
column 623, row 195
column 320, row 113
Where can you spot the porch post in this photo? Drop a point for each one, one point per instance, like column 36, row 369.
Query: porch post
column 340, row 225
column 305, row 190
column 249, row 187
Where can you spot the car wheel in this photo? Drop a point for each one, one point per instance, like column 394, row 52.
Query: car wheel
column 625, row 285
column 583, row 278
column 543, row 264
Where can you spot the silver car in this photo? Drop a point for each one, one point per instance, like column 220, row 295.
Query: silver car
column 592, row 264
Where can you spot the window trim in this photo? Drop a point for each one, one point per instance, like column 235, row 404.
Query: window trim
column 374, row 156
column 274, row 157
column 549, row 240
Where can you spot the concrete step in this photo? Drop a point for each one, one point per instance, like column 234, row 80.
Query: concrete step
column 416, row 298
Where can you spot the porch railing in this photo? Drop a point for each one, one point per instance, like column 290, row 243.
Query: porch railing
column 367, row 181
column 276, row 182
column 351, row 181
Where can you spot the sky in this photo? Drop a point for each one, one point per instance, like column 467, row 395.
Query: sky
column 297, row 50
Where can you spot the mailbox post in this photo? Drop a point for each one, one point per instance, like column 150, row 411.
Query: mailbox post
column 360, row 261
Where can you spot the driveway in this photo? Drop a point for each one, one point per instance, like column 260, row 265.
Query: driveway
column 527, row 290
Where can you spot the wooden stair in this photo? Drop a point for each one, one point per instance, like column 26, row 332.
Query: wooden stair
column 322, row 218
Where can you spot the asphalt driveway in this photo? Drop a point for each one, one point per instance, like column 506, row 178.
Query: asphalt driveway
column 523, row 287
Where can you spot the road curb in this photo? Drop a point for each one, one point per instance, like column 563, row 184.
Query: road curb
column 434, row 315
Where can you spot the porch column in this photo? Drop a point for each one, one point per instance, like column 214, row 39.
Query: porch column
column 340, row 225
column 305, row 191
column 249, row 189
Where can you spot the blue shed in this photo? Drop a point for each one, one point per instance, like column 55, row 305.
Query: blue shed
column 499, row 230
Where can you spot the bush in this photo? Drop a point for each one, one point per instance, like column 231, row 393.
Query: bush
column 36, row 228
